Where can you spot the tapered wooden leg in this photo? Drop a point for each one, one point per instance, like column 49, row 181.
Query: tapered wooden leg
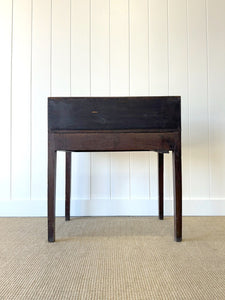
column 51, row 194
column 177, row 182
column 68, row 185
column 160, row 184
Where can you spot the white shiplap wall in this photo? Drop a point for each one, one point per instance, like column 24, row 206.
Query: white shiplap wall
column 111, row 47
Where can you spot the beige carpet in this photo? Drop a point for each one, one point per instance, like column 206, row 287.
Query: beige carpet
column 112, row 258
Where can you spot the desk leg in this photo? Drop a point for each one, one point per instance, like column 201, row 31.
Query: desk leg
column 68, row 185
column 51, row 194
column 177, row 182
column 160, row 184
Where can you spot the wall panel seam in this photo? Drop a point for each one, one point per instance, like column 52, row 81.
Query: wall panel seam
column 11, row 81
column 208, row 101
column 31, row 96
column 168, row 50
column 109, row 48
column 90, row 69
column 129, row 32
column 110, row 155
column 188, row 96
column 149, row 157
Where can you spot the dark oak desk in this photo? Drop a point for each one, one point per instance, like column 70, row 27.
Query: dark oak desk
column 114, row 124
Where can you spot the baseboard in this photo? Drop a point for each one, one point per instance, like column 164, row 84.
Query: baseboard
column 113, row 207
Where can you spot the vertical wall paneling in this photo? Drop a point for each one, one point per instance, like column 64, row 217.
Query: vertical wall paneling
column 100, row 162
column 119, row 83
column 5, row 79
column 198, row 98
column 158, row 50
column 99, row 48
column 117, row 48
column 139, row 168
column 40, row 91
column 158, row 81
column 139, row 85
column 80, row 47
column 178, row 76
column 139, row 47
column 21, row 99
column 216, row 63
column 80, row 86
column 60, row 73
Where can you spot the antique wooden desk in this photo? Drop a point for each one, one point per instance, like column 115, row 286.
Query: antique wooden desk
column 114, row 124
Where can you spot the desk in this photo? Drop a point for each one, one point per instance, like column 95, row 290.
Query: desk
column 79, row 124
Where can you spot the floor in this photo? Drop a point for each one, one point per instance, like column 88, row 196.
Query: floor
column 112, row 258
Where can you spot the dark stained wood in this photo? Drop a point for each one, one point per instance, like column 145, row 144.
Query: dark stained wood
column 68, row 185
column 114, row 141
column 114, row 124
column 177, row 182
column 51, row 189
column 114, row 113
column 160, row 183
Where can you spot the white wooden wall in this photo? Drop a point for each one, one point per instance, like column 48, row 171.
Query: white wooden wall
column 103, row 48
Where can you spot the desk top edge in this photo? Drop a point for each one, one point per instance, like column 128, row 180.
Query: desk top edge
column 178, row 98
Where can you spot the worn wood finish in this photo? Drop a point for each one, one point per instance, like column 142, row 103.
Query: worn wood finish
column 160, row 184
column 114, row 113
column 68, row 185
column 114, row 141
column 114, row 124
